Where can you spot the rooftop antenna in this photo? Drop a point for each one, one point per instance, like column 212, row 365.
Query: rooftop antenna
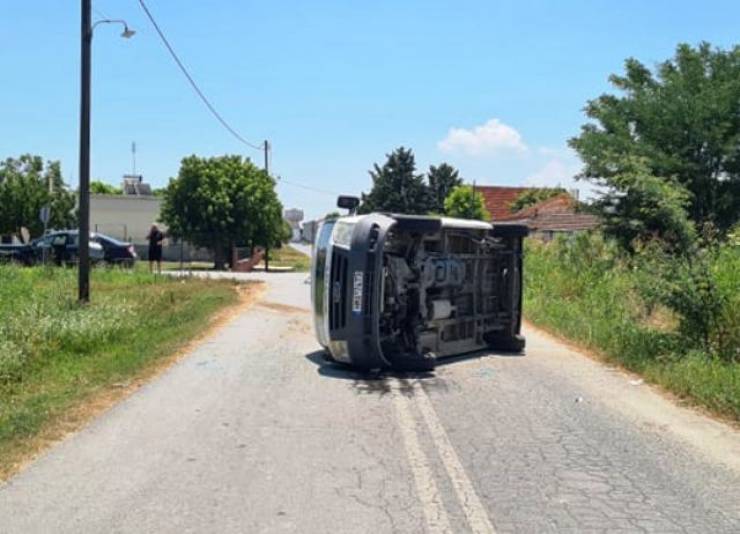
column 133, row 158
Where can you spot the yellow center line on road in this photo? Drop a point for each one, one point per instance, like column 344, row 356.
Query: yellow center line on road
column 435, row 514
column 434, row 511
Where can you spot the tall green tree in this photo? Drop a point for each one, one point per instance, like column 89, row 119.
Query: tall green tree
column 682, row 124
column 221, row 202
column 26, row 185
column 396, row 186
column 442, row 180
column 642, row 207
column 464, row 202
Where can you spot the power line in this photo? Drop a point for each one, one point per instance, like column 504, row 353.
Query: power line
column 216, row 113
column 307, row 187
column 192, row 82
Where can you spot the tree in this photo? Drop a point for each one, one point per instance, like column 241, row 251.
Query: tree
column 222, row 202
column 442, row 180
column 98, row 187
column 396, row 187
column 642, row 207
column 27, row 185
column 533, row 196
column 465, row 203
column 682, row 123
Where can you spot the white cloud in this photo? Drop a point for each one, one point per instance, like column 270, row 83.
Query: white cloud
column 554, row 173
column 493, row 136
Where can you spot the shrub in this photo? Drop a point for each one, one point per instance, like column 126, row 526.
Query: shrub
column 702, row 289
column 587, row 289
column 672, row 318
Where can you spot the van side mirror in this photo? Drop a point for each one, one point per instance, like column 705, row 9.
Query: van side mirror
column 348, row 202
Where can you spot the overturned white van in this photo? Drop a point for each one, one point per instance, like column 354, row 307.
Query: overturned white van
column 401, row 291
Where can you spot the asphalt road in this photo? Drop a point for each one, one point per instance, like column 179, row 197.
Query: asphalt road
column 254, row 432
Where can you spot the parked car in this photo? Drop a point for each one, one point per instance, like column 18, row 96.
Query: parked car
column 402, row 291
column 116, row 252
column 17, row 253
column 62, row 247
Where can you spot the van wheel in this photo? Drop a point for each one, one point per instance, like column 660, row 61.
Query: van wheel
column 508, row 344
column 327, row 356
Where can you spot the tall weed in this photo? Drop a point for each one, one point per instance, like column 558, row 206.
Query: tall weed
column 657, row 314
column 39, row 318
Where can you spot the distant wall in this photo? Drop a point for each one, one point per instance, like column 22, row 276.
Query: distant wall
column 124, row 217
column 176, row 252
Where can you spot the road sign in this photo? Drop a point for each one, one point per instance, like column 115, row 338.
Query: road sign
column 44, row 214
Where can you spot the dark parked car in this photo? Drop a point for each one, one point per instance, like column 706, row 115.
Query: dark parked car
column 17, row 253
column 62, row 247
column 116, row 252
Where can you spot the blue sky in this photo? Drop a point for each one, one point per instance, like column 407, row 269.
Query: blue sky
column 494, row 88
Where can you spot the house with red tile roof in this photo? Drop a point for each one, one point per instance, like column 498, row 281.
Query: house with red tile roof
column 499, row 198
column 553, row 216
column 558, row 214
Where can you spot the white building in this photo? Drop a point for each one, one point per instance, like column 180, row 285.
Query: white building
column 294, row 217
column 125, row 217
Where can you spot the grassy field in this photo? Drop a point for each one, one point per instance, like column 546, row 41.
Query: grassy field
column 287, row 256
column 584, row 292
column 56, row 354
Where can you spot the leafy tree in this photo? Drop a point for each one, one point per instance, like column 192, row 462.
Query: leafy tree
column 98, row 187
column 332, row 215
column 533, row 196
column 442, row 180
column 682, row 122
column 641, row 207
column 396, row 187
column 27, row 185
column 465, row 203
column 220, row 202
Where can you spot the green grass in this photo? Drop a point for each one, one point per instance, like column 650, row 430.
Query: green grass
column 287, row 256
column 55, row 354
column 176, row 266
column 582, row 291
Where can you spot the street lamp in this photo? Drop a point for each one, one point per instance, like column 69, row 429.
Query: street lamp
column 127, row 33
column 83, row 282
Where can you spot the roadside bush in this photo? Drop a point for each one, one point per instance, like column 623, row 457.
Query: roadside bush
column 675, row 319
column 702, row 289
column 582, row 288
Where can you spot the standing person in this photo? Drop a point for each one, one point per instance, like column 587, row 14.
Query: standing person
column 155, row 238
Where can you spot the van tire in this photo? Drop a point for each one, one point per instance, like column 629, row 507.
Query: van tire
column 514, row 344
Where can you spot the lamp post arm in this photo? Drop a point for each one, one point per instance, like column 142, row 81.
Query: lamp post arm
column 126, row 31
column 108, row 21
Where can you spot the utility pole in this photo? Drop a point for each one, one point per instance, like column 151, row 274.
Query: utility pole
column 83, row 282
column 133, row 158
column 267, row 171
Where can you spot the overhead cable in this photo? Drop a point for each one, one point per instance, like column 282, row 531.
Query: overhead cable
column 192, row 81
